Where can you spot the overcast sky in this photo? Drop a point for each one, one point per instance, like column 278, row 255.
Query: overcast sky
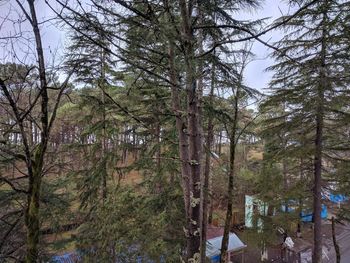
column 54, row 38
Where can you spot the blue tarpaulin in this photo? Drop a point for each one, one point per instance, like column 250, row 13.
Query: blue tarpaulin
column 307, row 217
column 338, row 198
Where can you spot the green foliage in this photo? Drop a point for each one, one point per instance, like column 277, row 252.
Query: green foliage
column 129, row 225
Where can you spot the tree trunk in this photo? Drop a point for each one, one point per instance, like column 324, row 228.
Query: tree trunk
column 30, row 133
column 300, row 206
column 220, row 142
column 225, row 239
column 188, row 129
column 336, row 246
column 211, row 210
column 195, row 165
column 134, row 143
column 285, row 180
column 181, row 128
column 206, row 173
column 194, row 130
column 32, row 215
column 317, row 206
column 104, row 134
column 158, row 151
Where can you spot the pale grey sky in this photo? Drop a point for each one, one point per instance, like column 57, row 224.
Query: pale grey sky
column 255, row 75
column 54, row 37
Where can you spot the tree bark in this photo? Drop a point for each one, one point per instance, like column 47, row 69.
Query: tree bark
column 195, row 138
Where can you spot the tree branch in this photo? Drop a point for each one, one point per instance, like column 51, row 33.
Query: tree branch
column 7, row 181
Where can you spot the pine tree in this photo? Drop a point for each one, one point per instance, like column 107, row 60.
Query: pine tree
column 311, row 84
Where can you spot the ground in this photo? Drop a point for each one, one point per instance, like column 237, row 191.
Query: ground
column 343, row 239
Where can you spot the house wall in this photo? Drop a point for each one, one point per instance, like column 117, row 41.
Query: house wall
column 250, row 203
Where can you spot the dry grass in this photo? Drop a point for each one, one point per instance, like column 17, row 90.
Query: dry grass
column 255, row 155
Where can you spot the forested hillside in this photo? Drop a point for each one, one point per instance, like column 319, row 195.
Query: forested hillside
column 140, row 139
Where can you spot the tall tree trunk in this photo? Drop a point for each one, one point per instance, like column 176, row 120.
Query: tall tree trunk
column 195, row 143
column 228, row 219
column 206, row 173
column 181, row 127
column 317, row 206
column 194, row 130
column 188, row 128
column 195, row 165
column 104, row 135
column 32, row 217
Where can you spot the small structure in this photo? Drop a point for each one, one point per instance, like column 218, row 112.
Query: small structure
column 235, row 248
column 299, row 252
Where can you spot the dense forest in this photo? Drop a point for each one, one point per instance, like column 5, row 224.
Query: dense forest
column 141, row 137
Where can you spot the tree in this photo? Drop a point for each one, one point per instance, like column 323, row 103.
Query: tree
column 170, row 45
column 241, row 93
column 172, row 53
column 310, row 85
column 96, row 72
column 32, row 153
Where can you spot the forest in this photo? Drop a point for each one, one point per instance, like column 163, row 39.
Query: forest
column 142, row 138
